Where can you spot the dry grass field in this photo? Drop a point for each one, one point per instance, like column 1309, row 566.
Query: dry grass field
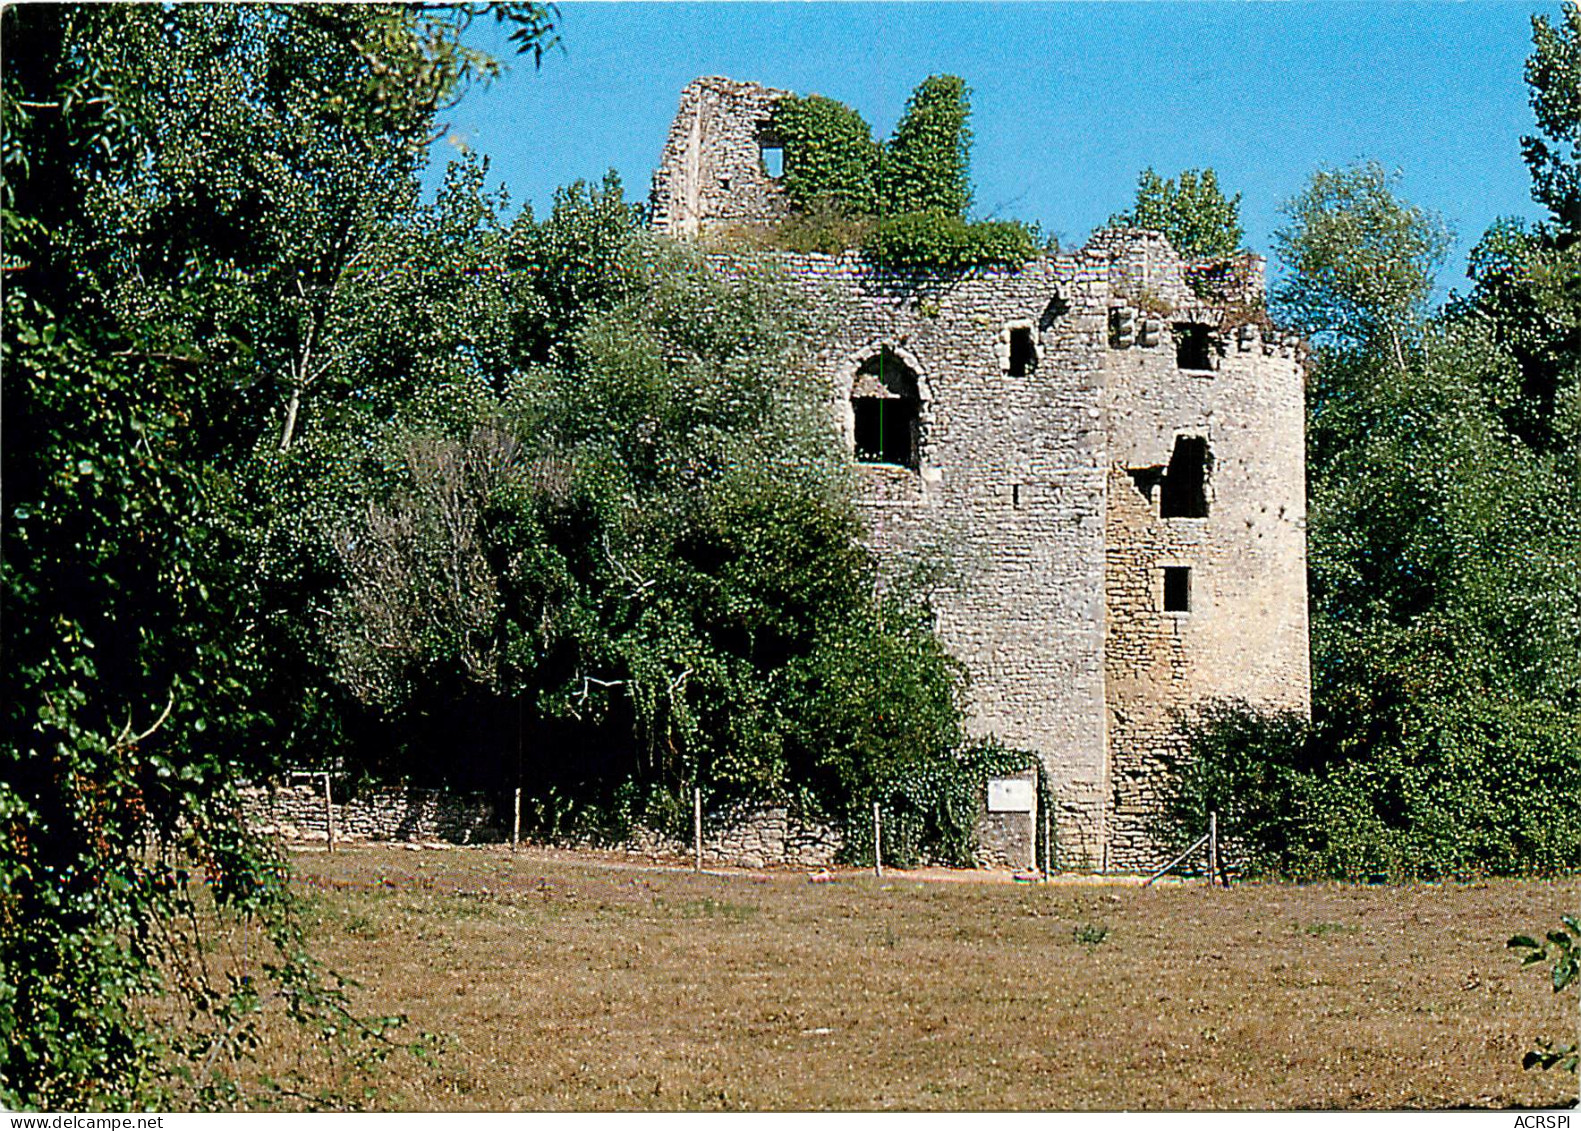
column 561, row 982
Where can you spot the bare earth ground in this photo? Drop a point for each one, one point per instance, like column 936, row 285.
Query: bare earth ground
column 585, row 982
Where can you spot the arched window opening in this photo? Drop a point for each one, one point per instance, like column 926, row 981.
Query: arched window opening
column 884, row 406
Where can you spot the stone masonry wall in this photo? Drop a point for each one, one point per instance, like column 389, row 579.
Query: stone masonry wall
column 296, row 813
column 1009, row 491
column 1038, row 485
column 749, row 838
column 1025, row 484
column 1244, row 636
column 752, row 839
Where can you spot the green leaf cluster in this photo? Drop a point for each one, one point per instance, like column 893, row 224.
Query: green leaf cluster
column 831, row 158
column 1562, row 950
column 940, row 241
column 1361, row 261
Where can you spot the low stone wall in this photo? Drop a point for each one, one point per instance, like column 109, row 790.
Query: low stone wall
column 752, row 839
column 296, row 812
column 748, row 838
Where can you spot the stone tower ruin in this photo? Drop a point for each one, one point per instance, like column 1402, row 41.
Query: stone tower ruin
column 1115, row 463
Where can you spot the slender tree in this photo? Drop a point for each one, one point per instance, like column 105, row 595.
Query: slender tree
column 1191, row 211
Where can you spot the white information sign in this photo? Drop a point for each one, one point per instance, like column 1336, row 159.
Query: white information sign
column 1011, row 795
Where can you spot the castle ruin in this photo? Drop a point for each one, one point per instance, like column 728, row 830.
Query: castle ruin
column 1115, row 462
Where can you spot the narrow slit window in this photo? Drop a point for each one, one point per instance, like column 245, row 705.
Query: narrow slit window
column 1022, row 355
column 1177, row 589
column 1185, row 485
column 773, row 160
column 1193, row 348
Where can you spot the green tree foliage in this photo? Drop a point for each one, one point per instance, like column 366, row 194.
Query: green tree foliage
column 1527, row 294
column 1527, row 279
column 655, row 533
column 185, row 195
column 1361, row 262
column 926, row 166
column 1197, row 218
column 1445, row 557
column 566, row 269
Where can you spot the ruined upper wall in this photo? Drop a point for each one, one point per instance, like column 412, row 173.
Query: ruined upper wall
column 1145, row 271
column 712, row 171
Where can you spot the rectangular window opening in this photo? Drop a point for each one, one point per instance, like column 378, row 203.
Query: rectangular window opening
column 1193, row 347
column 1185, row 483
column 773, row 160
column 1022, row 354
column 1177, row 589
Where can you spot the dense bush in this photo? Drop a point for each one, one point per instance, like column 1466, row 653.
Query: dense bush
column 187, row 191
column 1471, row 788
column 1560, row 950
column 940, row 241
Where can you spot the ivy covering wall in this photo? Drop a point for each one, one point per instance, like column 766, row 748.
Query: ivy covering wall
column 904, row 201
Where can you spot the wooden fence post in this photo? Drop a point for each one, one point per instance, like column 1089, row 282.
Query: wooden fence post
column 329, row 815
column 878, row 849
column 1213, row 849
column 697, row 828
column 516, row 820
column 1048, row 845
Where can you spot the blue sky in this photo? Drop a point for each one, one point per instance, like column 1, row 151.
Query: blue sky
column 1070, row 101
